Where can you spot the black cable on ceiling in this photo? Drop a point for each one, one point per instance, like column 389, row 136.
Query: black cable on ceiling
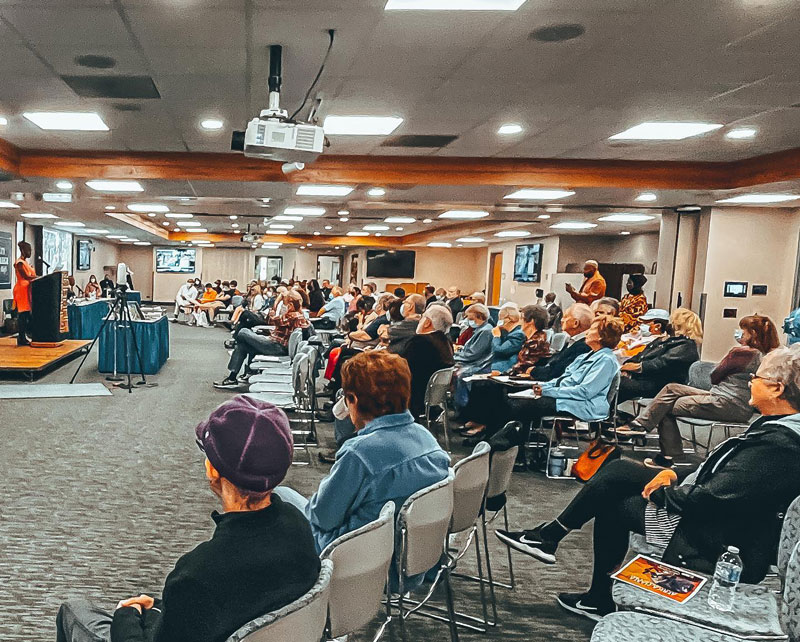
column 331, row 33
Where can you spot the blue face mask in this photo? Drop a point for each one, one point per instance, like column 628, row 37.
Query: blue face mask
column 645, row 330
column 473, row 324
column 738, row 334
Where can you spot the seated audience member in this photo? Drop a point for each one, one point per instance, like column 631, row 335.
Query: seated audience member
column 554, row 312
column 369, row 333
column 593, row 286
column 332, row 312
column 389, row 459
column 507, row 338
column 634, row 304
column 399, row 334
column 248, row 343
column 476, row 355
column 316, row 297
column 653, row 325
column 428, row 351
column 400, row 293
column 726, row 401
column 665, row 360
column 577, row 320
column 454, row 301
column 326, row 288
column 218, row 286
column 254, row 302
column 440, row 294
column 260, row 558
column 92, row 289
column 209, row 295
column 737, row 497
column 301, row 290
column 107, row 286
column 536, row 346
column 369, row 289
column 365, row 313
column 186, row 298
column 430, row 295
column 605, row 306
column 352, row 297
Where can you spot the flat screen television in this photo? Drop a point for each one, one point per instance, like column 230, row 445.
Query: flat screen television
column 391, row 264
column 180, row 260
column 528, row 263
column 57, row 250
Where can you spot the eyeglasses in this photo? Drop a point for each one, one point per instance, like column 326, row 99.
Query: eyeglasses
column 754, row 376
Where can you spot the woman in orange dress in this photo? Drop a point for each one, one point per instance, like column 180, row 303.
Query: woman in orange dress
column 22, row 291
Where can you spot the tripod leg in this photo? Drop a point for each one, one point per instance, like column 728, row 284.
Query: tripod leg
column 136, row 346
column 91, row 345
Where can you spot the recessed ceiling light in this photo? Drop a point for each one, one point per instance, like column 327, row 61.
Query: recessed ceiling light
column 329, row 227
column 376, row 228
column 358, row 234
column 626, row 218
column 439, row 244
column 165, row 224
column 453, row 5
column 8, row 205
column 470, row 239
column 152, row 215
column 274, row 231
column 94, row 231
column 176, row 229
column 281, row 226
column 115, row 186
column 665, row 131
column 188, row 224
column 196, row 229
column 69, row 224
column 212, row 124
column 539, row 194
column 647, row 197
column 56, row 197
column 427, row 220
column 272, row 246
column 573, row 225
column 460, row 245
column 234, row 225
column 361, row 125
column 464, row 214
column 343, row 212
column 544, row 217
column 17, row 196
column 67, row 121
column 38, row 215
column 142, row 243
column 399, row 229
column 624, row 233
column 323, row 190
column 760, row 198
column 344, row 219
column 148, row 207
column 305, row 211
column 233, row 217
column 399, row 220
column 509, row 129
column 3, row 121
column 317, row 233
column 115, row 236
column 741, row 133
column 291, row 219
column 554, row 209
column 64, row 185
column 688, row 208
column 376, row 192
column 179, row 215
column 110, row 208
column 512, row 234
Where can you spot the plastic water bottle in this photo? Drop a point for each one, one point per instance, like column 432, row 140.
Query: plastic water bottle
column 726, row 577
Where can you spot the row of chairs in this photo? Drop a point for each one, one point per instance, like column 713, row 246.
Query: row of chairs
column 356, row 584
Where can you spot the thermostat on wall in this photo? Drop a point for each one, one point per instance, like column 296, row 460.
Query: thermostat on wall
column 759, row 290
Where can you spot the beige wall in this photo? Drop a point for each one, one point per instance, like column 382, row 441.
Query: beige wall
column 636, row 248
column 524, row 293
column 8, row 226
column 140, row 261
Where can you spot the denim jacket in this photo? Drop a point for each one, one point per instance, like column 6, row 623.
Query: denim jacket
column 505, row 349
column 389, row 459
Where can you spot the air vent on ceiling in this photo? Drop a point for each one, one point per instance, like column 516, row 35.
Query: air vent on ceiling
column 419, row 140
column 112, row 86
column 93, row 61
column 557, row 33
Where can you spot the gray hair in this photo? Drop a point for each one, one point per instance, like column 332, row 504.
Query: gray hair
column 509, row 310
column 441, row 317
column 419, row 302
column 607, row 301
column 582, row 313
column 479, row 309
column 480, row 297
column 783, row 365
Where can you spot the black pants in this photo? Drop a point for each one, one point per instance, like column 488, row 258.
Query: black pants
column 324, row 323
column 248, row 319
column 23, row 323
column 486, row 398
column 613, row 499
column 637, row 386
column 528, row 411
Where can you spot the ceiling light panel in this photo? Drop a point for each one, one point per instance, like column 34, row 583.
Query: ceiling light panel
column 41, row 215
column 67, row 121
column 64, row 185
column 358, row 234
column 512, row 234
column 188, row 224
column 626, row 218
column 179, row 215
column 69, row 224
column 288, row 219
column 647, row 197
column 212, row 124
column 741, row 133
column 56, row 197
column 464, row 214
column 439, row 244
column 399, row 220
column 115, row 186
column 665, row 131
column 196, row 229
column 361, row 125
column 573, row 225
column 8, row 205
column 376, row 228
column 539, row 194
column 281, row 226
column 323, row 190
column 148, row 207
column 453, row 5
column 300, row 210
column 509, row 129
column 470, row 239
column 760, row 198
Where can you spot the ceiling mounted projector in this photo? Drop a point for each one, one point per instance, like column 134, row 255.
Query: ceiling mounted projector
column 274, row 135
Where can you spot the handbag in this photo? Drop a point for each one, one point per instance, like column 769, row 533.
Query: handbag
column 593, row 459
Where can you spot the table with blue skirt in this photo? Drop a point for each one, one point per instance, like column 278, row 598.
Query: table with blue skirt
column 152, row 339
column 135, row 295
column 86, row 318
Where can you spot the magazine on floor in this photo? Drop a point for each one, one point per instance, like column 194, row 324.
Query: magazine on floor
column 676, row 584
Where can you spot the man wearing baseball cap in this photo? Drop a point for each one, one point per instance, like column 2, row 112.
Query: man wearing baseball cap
column 261, row 557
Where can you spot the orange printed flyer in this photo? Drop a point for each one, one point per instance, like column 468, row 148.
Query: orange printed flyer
column 662, row 579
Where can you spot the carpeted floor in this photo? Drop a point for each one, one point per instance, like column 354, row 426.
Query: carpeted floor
column 100, row 496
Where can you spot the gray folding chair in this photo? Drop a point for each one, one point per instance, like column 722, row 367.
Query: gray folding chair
column 361, row 561
column 436, row 397
column 301, row 621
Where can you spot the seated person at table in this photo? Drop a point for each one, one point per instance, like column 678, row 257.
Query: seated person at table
column 332, row 312
column 248, row 343
column 665, row 360
column 428, row 351
column 399, row 334
column 507, row 338
column 389, row 459
column 107, row 286
column 260, row 558
column 726, row 401
column 634, row 304
column 476, row 355
column 186, row 298
column 737, row 497
column 92, row 289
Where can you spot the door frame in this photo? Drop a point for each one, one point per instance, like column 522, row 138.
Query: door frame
column 495, row 274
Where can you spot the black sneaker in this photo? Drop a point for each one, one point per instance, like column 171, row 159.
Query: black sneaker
column 227, row 383
column 230, row 343
column 586, row 605
column 243, row 378
column 659, row 461
column 531, row 543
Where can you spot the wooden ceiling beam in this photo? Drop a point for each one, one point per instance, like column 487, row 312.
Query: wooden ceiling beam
column 292, row 239
column 9, row 158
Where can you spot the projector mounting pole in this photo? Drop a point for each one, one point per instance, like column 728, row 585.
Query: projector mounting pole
column 275, row 78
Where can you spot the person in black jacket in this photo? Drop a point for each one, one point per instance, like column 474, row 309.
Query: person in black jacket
column 316, row 297
column 665, row 360
column 737, row 497
column 261, row 558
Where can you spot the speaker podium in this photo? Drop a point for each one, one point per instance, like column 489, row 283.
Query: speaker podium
column 49, row 321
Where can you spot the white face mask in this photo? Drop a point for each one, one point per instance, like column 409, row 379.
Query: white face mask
column 389, row 317
column 340, row 410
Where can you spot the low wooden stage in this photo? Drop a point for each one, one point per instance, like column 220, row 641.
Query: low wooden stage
column 31, row 361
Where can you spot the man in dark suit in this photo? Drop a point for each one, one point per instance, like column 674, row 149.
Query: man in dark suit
column 575, row 323
column 454, row 300
column 553, row 311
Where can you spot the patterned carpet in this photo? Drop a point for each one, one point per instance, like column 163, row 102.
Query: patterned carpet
column 100, row 496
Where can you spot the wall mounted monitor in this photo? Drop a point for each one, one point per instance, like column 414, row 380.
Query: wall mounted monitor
column 57, row 250
column 736, row 289
column 391, row 264
column 178, row 260
column 84, row 255
column 528, row 263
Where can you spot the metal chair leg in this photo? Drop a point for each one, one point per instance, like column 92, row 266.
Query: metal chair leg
column 451, row 612
column 481, row 581
column 445, row 429
column 508, row 549
column 492, row 596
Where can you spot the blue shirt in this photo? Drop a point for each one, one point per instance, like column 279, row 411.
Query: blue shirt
column 583, row 388
column 505, row 349
column 335, row 309
column 477, row 352
column 390, row 459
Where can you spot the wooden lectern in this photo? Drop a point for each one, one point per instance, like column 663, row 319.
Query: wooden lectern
column 49, row 322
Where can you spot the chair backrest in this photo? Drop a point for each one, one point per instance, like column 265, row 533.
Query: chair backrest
column 301, row 621
column 294, row 341
column 438, row 385
column 301, row 368
column 790, row 535
column 791, row 595
column 422, row 525
column 501, row 466
column 558, row 341
column 361, row 562
column 469, row 487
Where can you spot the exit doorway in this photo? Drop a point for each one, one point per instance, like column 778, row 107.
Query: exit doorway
column 495, row 277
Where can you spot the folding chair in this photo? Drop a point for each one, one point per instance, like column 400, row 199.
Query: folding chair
column 436, row 394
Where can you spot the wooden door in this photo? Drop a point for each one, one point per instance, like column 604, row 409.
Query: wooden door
column 495, row 277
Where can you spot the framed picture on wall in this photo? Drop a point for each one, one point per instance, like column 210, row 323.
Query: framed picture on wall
column 84, row 250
